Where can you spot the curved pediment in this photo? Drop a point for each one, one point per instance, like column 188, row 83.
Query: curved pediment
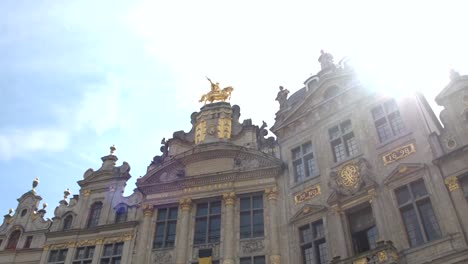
column 209, row 163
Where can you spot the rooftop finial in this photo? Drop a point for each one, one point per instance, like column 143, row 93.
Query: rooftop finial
column 10, row 212
column 44, row 206
column 34, row 184
column 66, row 193
column 112, row 149
column 326, row 60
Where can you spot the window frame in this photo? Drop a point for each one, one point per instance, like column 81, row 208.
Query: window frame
column 28, row 242
column 209, row 218
column 166, row 221
column 314, row 243
column 111, row 258
column 357, row 212
column 93, row 217
column 13, row 244
column 414, row 203
column 121, row 214
column 67, row 222
column 302, row 160
column 343, row 134
column 252, row 259
column 87, row 258
column 386, row 119
column 252, row 211
column 59, row 253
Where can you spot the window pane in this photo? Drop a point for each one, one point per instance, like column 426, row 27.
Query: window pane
column 298, row 170
column 245, row 261
column 338, row 150
column 351, row 144
column 259, row 260
column 257, row 202
column 173, row 213
column 80, row 253
column 334, row 132
column 318, row 230
column 390, row 106
column 118, row 248
column 62, row 255
column 90, row 252
column 159, row 237
column 107, row 250
column 215, row 207
column 397, row 123
column 429, row 220
column 322, row 252
column 378, row 112
column 202, row 209
column 310, row 165
column 245, row 203
column 346, row 127
column 296, row 153
column 308, row 254
column 372, row 237
column 258, row 223
column 245, row 224
column 200, row 231
column 162, row 214
column 305, row 234
column 53, row 256
column 171, row 232
column 402, row 195
column 418, row 188
column 383, row 130
column 215, row 227
column 307, row 148
column 412, row 226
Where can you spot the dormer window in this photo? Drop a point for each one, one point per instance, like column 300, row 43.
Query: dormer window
column 121, row 214
column 94, row 214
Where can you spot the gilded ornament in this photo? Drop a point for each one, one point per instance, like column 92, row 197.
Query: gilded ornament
column 86, row 193
column 112, row 188
column 349, row 175
column 148, row 209
column 360, row 261
column 185, row 204
column 398, row 153
column 382, row 256
column 272, row 193
column 307, row 194
column 216, row 93
column 224, row 128
column 66, row 193
column 275, row 259
column 452, row 183
column 200, row 132
column 229, row 198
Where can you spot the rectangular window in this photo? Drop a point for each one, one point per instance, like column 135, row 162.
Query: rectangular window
column 363, row 229
column 343, row 141
column 166, row 223
column 27, row 243
column 387, row 120
column 251, row 216
column 84, row 255
column 112, row 253
column 253, row 260
column 464, row 184
column 313, row 244
column 208, row 222
column 57, row 256
column 417, row 213
column 304, row 163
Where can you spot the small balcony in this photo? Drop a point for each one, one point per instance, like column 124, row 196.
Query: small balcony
column 383, row 253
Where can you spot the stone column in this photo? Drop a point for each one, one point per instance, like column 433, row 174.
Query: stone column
column 228, row 230
column 336, row 233
column 182, row 241
column 71, row 252
column 98, row 250
column 44, row 255
column 272, row 196
column 143, row 247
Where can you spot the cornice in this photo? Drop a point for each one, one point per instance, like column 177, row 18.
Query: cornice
column 87, row 231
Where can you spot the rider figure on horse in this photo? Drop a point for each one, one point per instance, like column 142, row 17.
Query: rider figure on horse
column 214, row 86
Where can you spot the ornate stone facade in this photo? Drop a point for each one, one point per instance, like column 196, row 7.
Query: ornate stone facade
column 352, row 176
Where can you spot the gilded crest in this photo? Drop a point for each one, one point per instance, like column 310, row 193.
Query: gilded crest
column 200, row 132
column 224, row 128
column 349, row 175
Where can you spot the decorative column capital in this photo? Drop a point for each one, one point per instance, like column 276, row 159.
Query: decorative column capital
column 452, row 183
column 185, row 204
column 229, row 198
column 275, row 259
column 148, row 210
column 272, row 193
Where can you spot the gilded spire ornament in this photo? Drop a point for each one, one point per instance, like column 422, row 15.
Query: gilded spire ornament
column 216, row 93
column 34, row 184
column 112, row 149
column 66, row 193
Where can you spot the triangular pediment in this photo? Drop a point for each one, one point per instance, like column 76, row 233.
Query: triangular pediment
column 307, row 210
column 402, row 171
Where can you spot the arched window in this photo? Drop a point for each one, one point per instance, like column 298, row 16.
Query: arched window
column 13, row 240
column 94, row 214
column 121, row 214
column 67, row 222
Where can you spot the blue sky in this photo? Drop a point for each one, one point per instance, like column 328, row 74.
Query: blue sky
column 77, row 77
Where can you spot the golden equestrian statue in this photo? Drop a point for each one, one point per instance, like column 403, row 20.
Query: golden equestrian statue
column 217, row 94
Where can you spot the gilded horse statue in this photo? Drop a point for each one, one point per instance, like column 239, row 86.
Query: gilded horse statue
column 217, row 94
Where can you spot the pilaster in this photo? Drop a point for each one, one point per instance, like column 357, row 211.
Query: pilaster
column 229, row 199
column 272, row 196
column 185, row 205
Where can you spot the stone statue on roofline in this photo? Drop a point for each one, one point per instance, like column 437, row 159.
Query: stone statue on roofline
column 282, row 97
column 326, row 60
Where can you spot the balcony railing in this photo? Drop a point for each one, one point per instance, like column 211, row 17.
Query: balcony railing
column 383, row 253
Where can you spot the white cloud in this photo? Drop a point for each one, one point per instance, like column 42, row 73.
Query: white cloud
column 15, row 143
